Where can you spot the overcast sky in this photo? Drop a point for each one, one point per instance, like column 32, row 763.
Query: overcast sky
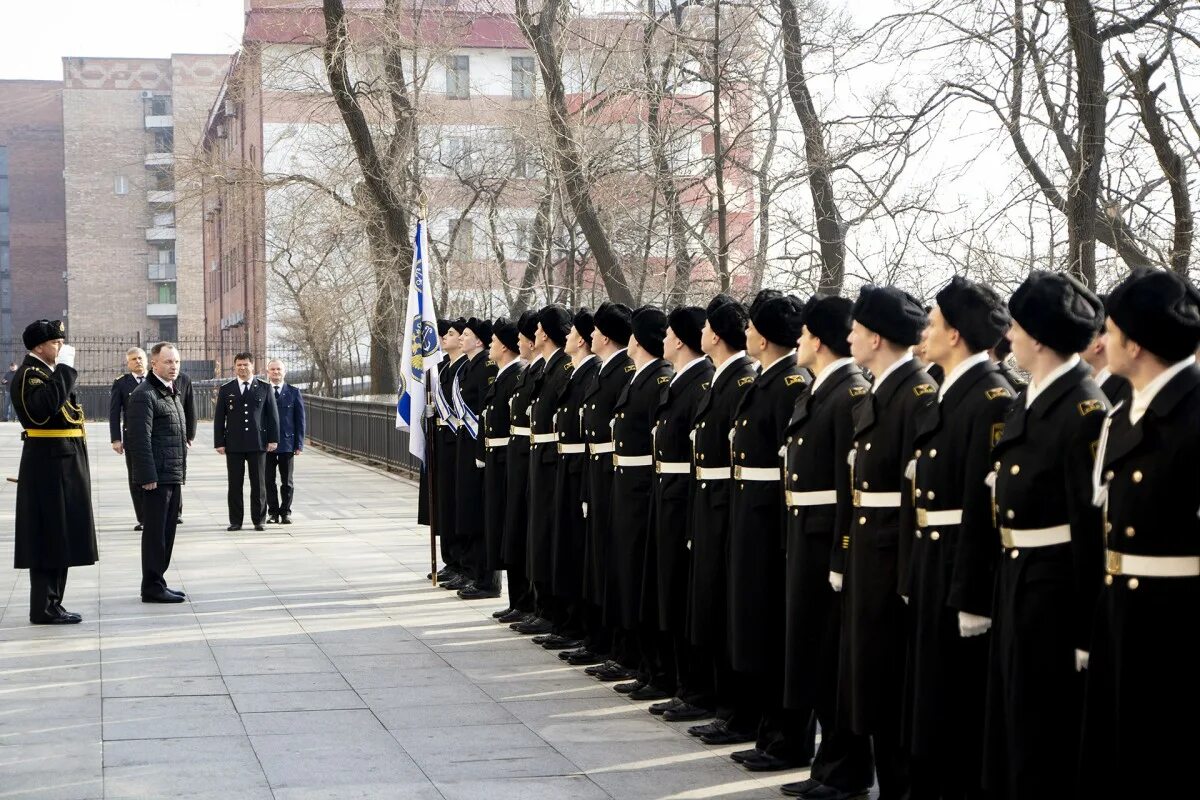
column 35, row 35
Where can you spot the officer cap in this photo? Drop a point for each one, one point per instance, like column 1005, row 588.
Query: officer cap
column 975, row 311
column 780, row 320
column 1057, row 310
column 615, row 321
column 43, row 330
column 584, row 323
column 894, row 314
column 506, row 331
column 556, row 322
column 727, row 318
column 650, row 328
column 687, row 322
column 829, row 319
column 481, row 328
column 1160, row 310
column 527, row 324
column 459, row 324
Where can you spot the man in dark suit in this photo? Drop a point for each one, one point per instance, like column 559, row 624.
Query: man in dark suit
column 290, row 406
column 118, row 408
column 245, row 427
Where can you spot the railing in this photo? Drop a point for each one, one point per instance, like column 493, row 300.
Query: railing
column 365, row 431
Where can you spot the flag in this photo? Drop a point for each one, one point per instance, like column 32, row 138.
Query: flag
column 421, row 353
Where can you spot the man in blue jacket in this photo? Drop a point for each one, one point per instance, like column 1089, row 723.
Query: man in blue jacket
column 291, row 443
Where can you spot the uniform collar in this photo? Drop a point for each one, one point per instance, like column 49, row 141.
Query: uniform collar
column 830, row 368
column 687, row 366
column 1103, row 375
column 1034, row 389
column 1142, row 399
column 960, row 370
column 897, row 364
column 38, row 358
column 726, row 363
column 604, row 363
column 513, row 363
column 579, row 366
column 789, row 354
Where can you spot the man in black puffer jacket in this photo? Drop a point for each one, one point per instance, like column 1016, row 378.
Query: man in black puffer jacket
column 156, row 440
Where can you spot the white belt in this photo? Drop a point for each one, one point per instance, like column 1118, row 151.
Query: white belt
column 633, row 461
column 499, row 441
column 1035, row 537
column 952, row 516
column 603, row 447
column 876, row 499
column 825, row 498
column 516, row 430
column 757, row 474
column 572, row 448
column 1152, row 566
column 713, row 473
column 543, row 438
column 672, row 467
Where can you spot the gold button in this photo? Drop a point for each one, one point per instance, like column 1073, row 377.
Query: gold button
column 799, row 440
column 1010, row 514
column 1014, row 553
column 795, row 477
column 935, row 536
column 933, row 453
column 1137, row 476
column 918, row 492
column 1015, row 469
column 918, row 533
column 866, row 485
column 862, row 520
column 929, row 494
column 1108, row 580
column 1108, row 476
column 1130, row 531
column 868, row 446
column 1133, row 583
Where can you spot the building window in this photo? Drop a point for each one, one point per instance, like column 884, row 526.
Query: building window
column 522, row 77
column 164, row 140
column 520, row 153
column 160, row 105
column 166, row 293
column 168, row 329
column 120, row 185
column 458, row 77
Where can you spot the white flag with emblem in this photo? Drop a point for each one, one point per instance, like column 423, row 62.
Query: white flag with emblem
column 422, row 350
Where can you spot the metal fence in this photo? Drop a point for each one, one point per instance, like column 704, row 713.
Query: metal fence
column 365, row 431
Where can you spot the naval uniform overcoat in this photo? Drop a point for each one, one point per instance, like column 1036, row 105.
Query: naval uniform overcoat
column 494, row 426
column 756, row 573
column 445, row 463
column 1045, row 596
column 473, row 381
column 543, row 466
column 708, row 612
column 569, row 538
column 516, row 510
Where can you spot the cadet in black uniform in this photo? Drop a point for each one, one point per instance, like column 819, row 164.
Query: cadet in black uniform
column 245, row 428
column 554, row 323
column 1052, row 561
column 819, row 504
column 611, row 326
column 1115, row 387
column 887, row 323
column 516, row 509
column 724, row 341
column 1142, row 694
column 756, row 571
column 954, row 540
column 430, row 425
column 492, row 449
column 470, row 386
column 1001, row 356
column 446, row 443
column 54, row 528
column 666, row 588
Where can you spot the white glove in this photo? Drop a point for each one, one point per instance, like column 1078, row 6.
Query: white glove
column 689, row 544
column 904, row 597
column 835, row 580
column 585, row 510
column 479, row 464
column 972, row 624
column 1081, row 660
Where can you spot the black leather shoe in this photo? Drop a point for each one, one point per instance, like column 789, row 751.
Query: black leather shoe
column 728, row 736
column 648, row 692
column 611, row 676
column 800, row 788
column 456, row 583
column 716, row 726
column 629, row 687
column 137, row 527
column 515, row 615
column 658, row 709
column 542, row 638
column 502, row 612
column 286, row 519
column 234, row 528
column 477, row 593
column 562, row 643
column 177, row 593
column 59, row 618
column 534, row 626
column 445, row 574
column 822, row 792
column 685, row 712
column 601, row 667
column 161, row 597
column 740, row 756
column 273, row 518
column 765, row 762
column 258, row 526
column 584, row 658
column 76, row 618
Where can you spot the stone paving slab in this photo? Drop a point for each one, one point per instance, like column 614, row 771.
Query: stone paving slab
column 312, row 661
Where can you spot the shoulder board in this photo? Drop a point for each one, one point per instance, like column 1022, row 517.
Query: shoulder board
column 999, row 391
column 631, row 367
column 704, row 386
column 567, row 367
column 491, row 379
column 664, row 379
column 38, row 371
column 745, row 380
column 1090, row 406
column 858, row 391
column 35, row 381
column 923, row 389
column 792, row 380
column 491, row 363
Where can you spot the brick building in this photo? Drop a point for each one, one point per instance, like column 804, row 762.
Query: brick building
column 133, row 223
column 33, row 253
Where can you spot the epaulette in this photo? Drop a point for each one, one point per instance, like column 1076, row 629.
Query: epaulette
column 664, row 379
column 923, row 389
column 631, row 367
column 745, row 380
column 998, row 392
column 792, row 380
column 858, row 391
column 997, row 432
column 1089, row 407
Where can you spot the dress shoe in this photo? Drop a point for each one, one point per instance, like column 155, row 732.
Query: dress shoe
column 800, row 788
column 601, row 667
column 822, row 792
column 613, row 675
column 715, row 726
column 513, row 615
column 740, row 756
column 59, row 617
column 161, row 596
column 542, row 638
column 658, row 709
column 179, row 520
column 765, row 762
column 138, row 527
column 534, row 626
column 273, row 518
column 583, row 658
column 501, row 612
column 72, row 617
column 445, row 574
column 456, row 583
column 177, row 593
column 628, row 688
column 478, row 593
column 685, row 712
column 562, row 643
column 648, row 692
column 286, row 519
column 728, row 736
column 258, row 526
column 234, row 528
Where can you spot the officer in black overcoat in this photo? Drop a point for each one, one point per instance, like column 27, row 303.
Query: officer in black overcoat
column 611, row 327
column 245, row 428
column 1052, row 557
column 445, row 469
column 887, row 323
column 487, row 558
column 1115, row 387
column 819, row 504
column 755, row 571
column 723, row 340
column 554, row 323
column 666, row 588
column 118, row 406
column 1142, row 692
column 954, row 541
column 53, row 527
column 516, row 509
column 469, row 388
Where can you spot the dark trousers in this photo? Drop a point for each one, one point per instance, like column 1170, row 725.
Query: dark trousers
column 657, row 667
column 693, row 674
column 520, row 591
column 892, row 769
column 279, row 498
column 235, row 465
column 597, row 637
column 161, row 509
column 46, row 589
column 135, row 491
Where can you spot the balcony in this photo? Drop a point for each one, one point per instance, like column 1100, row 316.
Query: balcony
column 160, row 159
column 161, row 197
column 160, row 310
column 159, row 121
column 161, row 272
column 160, row 234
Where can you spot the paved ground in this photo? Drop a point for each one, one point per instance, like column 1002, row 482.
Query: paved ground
column 312, row 662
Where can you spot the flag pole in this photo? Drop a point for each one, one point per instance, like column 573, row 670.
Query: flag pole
column 432, row 439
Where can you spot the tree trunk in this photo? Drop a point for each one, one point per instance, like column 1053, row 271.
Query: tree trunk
column 1091, row 102
column 719, row 155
